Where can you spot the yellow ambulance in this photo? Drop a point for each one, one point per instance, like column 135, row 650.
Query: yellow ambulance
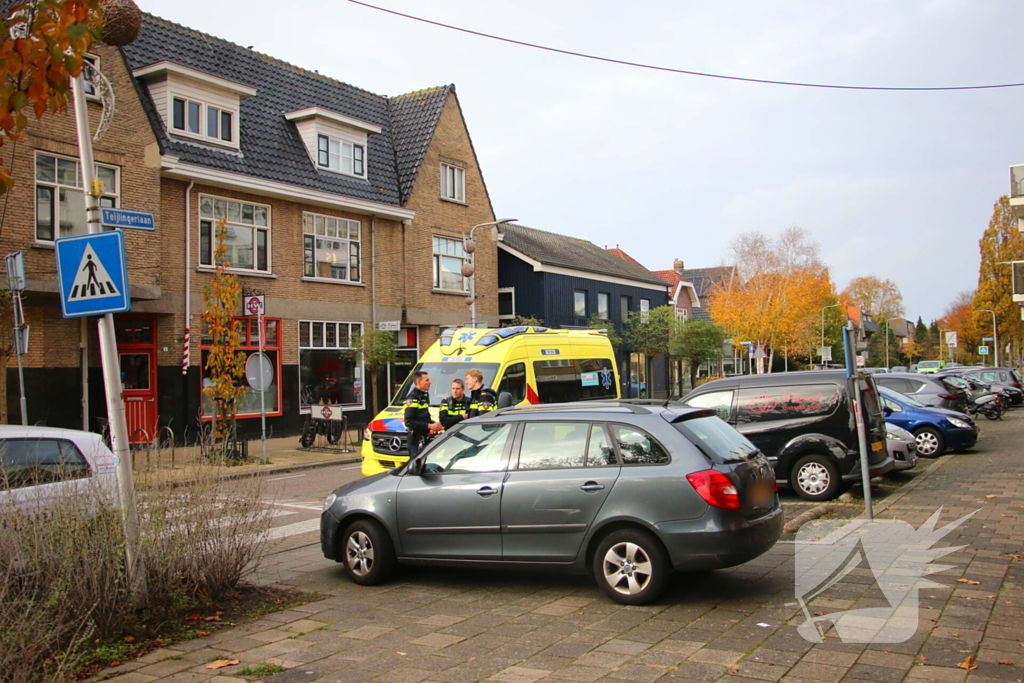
column 533, row 364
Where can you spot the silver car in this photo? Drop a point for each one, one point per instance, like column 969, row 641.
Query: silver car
column 902, row 447
column 626, row 491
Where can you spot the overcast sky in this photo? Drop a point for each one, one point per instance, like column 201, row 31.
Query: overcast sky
column 894, row 184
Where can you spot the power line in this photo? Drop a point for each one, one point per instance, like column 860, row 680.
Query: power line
column 686, row 72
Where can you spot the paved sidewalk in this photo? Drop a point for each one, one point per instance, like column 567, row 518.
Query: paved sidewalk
column 459, row 626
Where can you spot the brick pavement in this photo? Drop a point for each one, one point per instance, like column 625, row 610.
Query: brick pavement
column 458, row 626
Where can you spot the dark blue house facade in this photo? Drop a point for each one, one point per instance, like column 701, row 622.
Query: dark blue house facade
column 565, row 282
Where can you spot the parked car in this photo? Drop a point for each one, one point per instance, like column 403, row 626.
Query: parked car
column 913, row 368
column 803, row 422
column 935, row 429
column 902, row 447
column 932, row 391
column 637, row 387
column 898, row 368
column 626, row 491
column 38, row 464
column 929, row 366
column 875, row 371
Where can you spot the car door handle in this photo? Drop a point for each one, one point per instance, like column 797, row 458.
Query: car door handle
column 592, row 486
column 486, row 491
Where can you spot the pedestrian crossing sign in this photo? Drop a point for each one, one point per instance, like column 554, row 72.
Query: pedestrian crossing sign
column 92, row 273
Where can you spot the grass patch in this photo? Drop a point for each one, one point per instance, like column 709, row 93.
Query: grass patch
column 261, row 670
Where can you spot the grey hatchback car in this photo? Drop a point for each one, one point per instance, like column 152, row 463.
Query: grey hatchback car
column 626, row 491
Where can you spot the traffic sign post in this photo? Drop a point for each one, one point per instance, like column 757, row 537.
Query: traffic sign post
column 982, row 350
column 256, row 305
column 92, row 274
column 16, row 281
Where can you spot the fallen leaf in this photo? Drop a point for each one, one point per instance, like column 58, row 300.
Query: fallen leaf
column 990, row 596
column 1004, row 662
column 820, row 614
column 115, row 663
column 1014, row 516
column 1015, row 556
column 923, row 658
column 129, row 639
column 991, row 495
column 221, row 663
column 968, row 581
column 956, row 635
column 892, row 507
column 211, row 618
column 202, row 634
column 968, row 664
column 193, row 617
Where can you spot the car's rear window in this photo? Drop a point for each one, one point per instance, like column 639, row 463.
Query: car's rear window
column 716, row 439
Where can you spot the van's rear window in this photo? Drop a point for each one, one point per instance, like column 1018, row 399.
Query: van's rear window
column 763, row 404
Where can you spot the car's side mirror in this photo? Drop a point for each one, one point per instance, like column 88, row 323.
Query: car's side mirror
column 415, row 465
column 887, row 411
column 504, row 399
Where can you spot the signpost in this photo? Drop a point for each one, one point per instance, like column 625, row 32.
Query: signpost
column 16, row 281
column 92, row 274
column 982, row 350
column 951, row 340
column 126, row 218
column 258, row 376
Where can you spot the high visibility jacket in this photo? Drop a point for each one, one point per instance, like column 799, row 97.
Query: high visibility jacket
column 417, row 412
column 482, row 400
column 452, row 411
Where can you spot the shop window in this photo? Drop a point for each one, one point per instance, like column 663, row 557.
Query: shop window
column 249, row 344
column 329, row 372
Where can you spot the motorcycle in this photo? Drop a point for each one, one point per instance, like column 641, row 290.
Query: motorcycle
column 982, row 399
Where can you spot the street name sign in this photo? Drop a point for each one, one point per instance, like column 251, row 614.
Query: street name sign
column 92, row 274
column 126, row 218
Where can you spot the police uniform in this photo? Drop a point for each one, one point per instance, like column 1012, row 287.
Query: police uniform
column 452, row 411
column 417, row 419
column 483, row 400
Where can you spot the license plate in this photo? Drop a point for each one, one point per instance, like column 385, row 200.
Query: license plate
column 876, row 446
column 764, row 493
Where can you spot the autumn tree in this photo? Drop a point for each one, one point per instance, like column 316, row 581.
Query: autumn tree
column 958, row 317
column 881, row 299
column 697, row 342
column 648, row 333
column 777, row 294
column 225, row 364
column 1001, row 242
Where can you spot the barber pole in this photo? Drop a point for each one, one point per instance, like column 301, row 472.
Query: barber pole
column 186, row 354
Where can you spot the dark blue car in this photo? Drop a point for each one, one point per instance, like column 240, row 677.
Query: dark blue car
column 936, row 429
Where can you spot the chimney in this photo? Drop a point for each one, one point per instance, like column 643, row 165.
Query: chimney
column 677, row 266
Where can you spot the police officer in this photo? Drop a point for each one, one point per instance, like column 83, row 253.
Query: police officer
column 482, row 399
column 454, row 408
column 417, row 413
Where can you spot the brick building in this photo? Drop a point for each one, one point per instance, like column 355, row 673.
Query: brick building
column 344, row 209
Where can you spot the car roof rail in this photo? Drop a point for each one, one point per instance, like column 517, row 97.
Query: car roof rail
column 575, row 405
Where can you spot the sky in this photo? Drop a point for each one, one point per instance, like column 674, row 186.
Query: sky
column 899, row 185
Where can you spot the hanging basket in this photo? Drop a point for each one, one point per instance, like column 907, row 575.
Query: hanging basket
column 122, row 21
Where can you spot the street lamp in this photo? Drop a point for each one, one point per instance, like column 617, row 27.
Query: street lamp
column 469, row 267
column 821, row 349
column 887, row 328
column 995, row 337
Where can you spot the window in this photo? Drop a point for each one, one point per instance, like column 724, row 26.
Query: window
column 449, row 256
column 719, row 401
column 330, row 248
column 507, row 303
column 599, row 451
column 602, row 305
column 624, row 303
column 329, row 370
column 90, row 64
column 574, row 379
column 514, row 382
column 248, row 232
column 645, row 309
column 340, row 155
column 453, row 183
column 30, row 462
column 60, row 204
column 579, row 304
column 682, row 314
column 718, row 440
column 786, row 402
column 474, row 448
column 638, row 448
column 255, row 367
column 553, row 445
column 187, row 117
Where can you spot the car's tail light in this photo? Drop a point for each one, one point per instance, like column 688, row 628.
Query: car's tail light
column 716, row 489
column 949, row 397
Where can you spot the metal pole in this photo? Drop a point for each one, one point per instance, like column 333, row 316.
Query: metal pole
column 472, row 289
column 862, row 437
column 21, row 371
column 111, row 364
column 263, row 389
column 821, row 351
column 83, row 346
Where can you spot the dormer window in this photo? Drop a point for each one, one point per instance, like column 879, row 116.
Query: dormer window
column 341, row 156
column 188, row 116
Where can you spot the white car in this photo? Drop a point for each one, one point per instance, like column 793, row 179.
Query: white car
column 38, row 464
column 902, row 447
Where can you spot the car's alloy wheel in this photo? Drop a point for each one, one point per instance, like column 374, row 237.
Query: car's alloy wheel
column 815, row 477
column 930, row 443
column 630, row 567
column 367, row 552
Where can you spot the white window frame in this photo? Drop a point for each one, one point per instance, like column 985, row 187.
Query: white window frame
column 203, row 132
column 645, row 310
column 575, row 308
column 90, row 61
column 210, row 222
column 512, row 291
column 305, row 342
column 453, row 183
column 607, row 305
column 335, row 162
column 317, row 229
column 682, row 314
column 437, row 258
column 110, row 198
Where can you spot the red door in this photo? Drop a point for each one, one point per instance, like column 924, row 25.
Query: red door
column 136, row 349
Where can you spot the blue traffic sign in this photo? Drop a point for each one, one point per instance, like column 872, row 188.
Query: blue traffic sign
column 126, row 218
column 92, row 273
column 982, row 350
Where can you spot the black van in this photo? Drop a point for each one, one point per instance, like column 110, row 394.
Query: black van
column 804, row 423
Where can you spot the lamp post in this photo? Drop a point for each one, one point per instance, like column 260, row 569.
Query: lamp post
column 995, row 337
column 821, row 349
column 469, row 267
column 887, row 328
